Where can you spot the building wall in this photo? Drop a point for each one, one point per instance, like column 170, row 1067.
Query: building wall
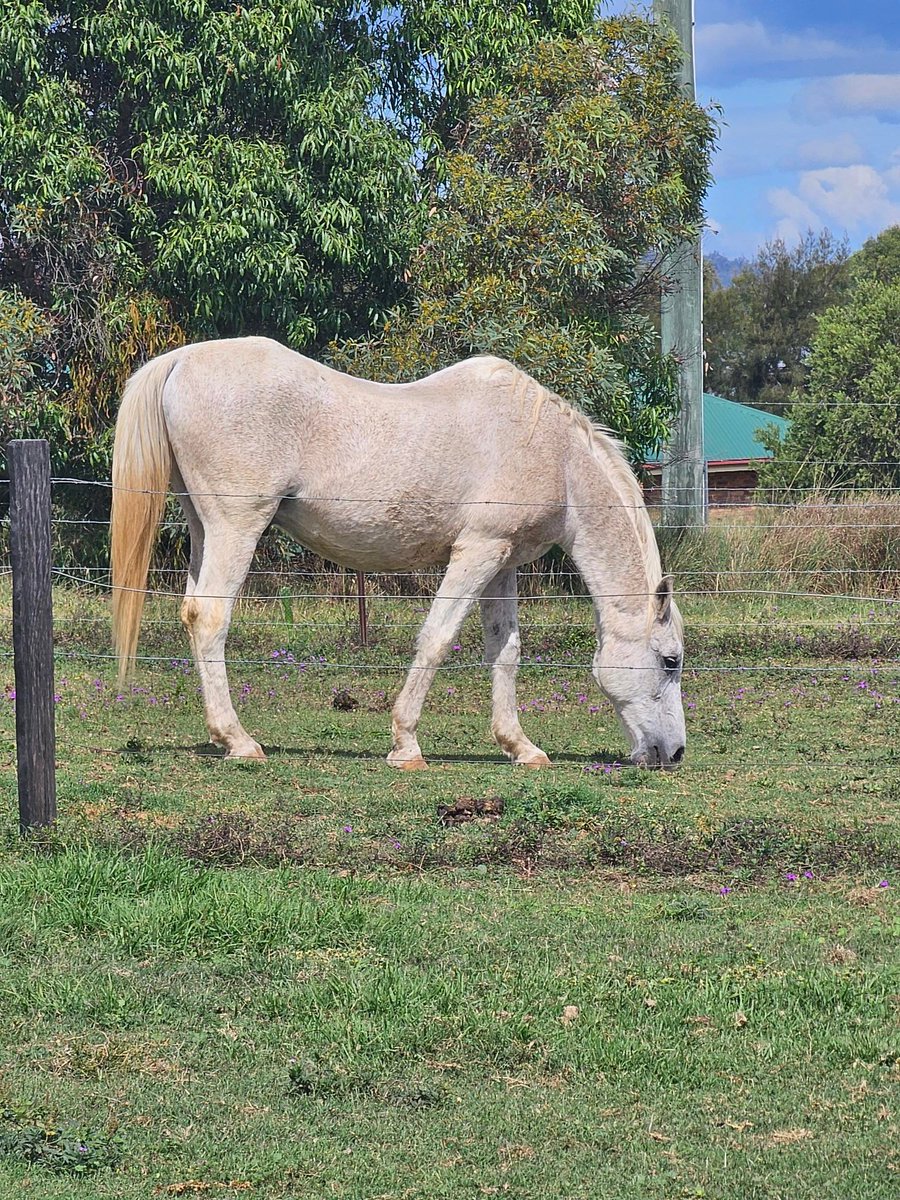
column 731, row 487
column 726, row 487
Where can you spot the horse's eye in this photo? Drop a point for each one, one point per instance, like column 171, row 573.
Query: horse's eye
column 672, row 663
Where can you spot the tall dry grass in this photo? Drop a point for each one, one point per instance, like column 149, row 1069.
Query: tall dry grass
column 822, row 545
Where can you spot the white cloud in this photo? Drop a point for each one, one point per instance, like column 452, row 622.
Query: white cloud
column 795, row 215
column 852, row 95
column 851, row 198
column 730, row 51
column 842, row 150
column 722, row 43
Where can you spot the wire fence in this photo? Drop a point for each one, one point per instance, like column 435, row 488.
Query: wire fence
column 555, row 605
column 538, row 585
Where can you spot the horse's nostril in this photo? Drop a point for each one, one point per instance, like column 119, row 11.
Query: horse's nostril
column 678, row 755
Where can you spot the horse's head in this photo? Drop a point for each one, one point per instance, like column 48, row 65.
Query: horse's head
column 640, row 672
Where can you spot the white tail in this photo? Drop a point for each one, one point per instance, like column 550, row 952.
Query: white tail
column 142, row 464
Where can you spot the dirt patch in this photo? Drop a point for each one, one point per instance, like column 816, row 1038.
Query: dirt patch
column 787, row 1137
column 469, row 808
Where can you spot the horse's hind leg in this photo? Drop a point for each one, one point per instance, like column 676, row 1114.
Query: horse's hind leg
column 195, row 529
column 470, row 569
column 206, row 614
column 500, row 621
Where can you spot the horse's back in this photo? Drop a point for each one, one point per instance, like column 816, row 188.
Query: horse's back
column 371, row 472
column 253, row 399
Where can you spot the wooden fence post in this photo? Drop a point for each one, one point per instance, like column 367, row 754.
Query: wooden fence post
column 29, row 513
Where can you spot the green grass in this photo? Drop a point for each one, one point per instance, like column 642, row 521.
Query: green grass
column 722, row 1045
column 294, row 977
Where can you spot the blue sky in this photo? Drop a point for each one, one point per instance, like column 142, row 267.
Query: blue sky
column 810, row 137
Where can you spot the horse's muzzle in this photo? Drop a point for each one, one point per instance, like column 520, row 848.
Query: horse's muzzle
column 656, row 758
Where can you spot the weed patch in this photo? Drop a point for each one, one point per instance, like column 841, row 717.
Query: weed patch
column 233, row 839
column 57, row 1147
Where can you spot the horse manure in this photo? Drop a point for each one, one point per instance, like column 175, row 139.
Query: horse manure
column 344, row 701
column 468, row 808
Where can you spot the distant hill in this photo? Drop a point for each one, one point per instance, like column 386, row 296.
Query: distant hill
column 726, row 268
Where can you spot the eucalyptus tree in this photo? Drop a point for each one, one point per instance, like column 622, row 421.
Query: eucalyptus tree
column 564, row 188
column 175, row 169
column 878, row 258
column 843, row 431
column 758, row 331
column 178, row 168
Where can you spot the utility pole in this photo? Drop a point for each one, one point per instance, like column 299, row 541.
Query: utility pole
column 684, row 496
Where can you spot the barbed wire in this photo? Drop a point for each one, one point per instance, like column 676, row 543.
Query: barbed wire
column 883, row 669
column 580, row 599
column 523, row 573
column 837, row 492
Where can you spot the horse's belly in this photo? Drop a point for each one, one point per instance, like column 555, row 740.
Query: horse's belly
column 370, row 536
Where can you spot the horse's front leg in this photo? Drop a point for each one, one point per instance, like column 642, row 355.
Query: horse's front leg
column 206, row 614
column 471, row 566
column 500, row 621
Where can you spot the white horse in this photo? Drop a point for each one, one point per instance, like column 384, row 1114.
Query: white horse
column 477, row 467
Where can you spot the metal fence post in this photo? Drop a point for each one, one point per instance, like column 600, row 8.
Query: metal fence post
column 29, row 512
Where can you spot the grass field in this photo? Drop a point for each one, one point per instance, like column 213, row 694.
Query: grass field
column 317, row 977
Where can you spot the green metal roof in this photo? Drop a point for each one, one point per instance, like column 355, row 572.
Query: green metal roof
column 730, row 430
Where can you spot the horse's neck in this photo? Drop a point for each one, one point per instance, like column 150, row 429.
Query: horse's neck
column 609, row 544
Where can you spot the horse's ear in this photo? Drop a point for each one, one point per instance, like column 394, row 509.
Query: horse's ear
column 664, row 599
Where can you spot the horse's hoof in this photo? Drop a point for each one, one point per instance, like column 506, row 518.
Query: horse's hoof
column 535, row 762
column 249, row 755
column 408, row 764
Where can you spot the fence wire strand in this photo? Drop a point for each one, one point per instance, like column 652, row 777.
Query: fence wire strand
column 530, row 502
column 315, row 662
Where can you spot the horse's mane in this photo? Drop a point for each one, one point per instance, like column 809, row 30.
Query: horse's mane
column 610, row 454
column 607, row 451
